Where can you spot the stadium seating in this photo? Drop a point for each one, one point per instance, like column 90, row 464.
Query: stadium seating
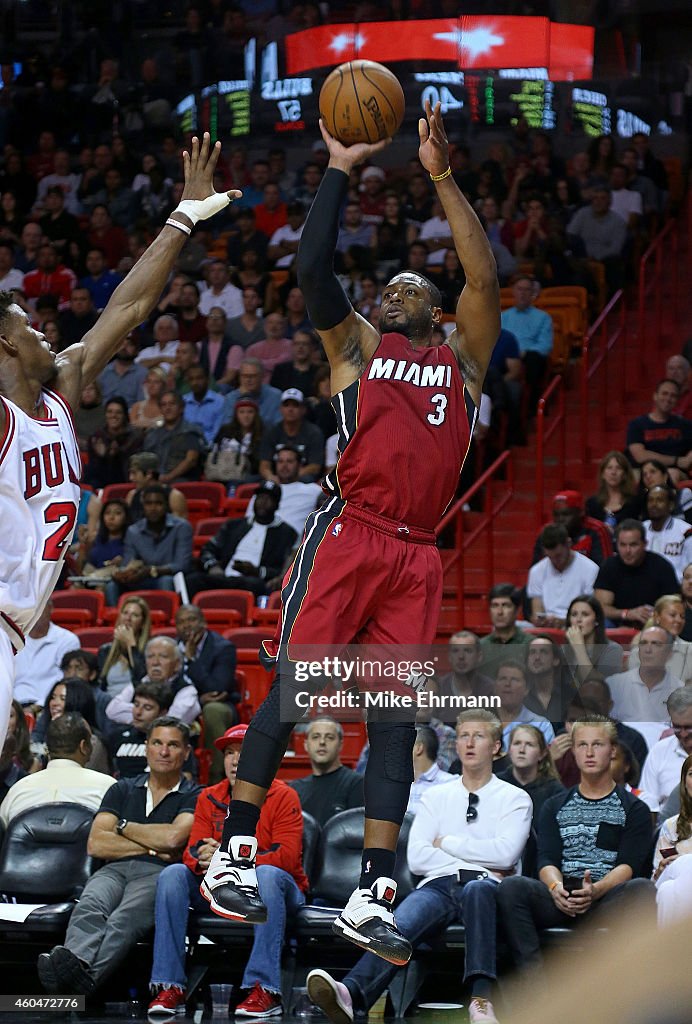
column 82, row 598
column 207, row 490
column 217, row 603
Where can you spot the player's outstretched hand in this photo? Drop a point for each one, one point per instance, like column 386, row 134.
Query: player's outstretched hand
column 345, row 157
column 199, row 166
column 433, row 151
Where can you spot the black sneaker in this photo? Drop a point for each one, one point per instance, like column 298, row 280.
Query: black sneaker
column 367, row 921
column 62, row 971
column 230, row 884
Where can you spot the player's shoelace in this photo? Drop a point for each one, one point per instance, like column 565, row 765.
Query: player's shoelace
column 230, row 871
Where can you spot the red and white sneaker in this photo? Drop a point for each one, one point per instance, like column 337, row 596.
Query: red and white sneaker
column 260, row 1003
column 230, row 884
column 367, row 921
column 167, row 1003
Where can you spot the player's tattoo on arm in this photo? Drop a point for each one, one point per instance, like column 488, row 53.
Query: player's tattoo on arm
column 470, row 370
column 352, row 352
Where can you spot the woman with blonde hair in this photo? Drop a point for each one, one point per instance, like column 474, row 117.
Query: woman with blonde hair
column 122, row 661
column 147, row 413
column 615, row 498
column 669, row 613
column 672, row 860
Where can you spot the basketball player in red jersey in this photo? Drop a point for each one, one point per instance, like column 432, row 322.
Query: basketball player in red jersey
column 368, row 570
column 39, row 457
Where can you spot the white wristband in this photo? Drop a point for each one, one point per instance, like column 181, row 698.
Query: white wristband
column 201, row 209
column 179, row 225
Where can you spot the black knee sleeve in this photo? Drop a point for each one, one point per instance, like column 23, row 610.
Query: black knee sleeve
column 389, row 773
column 265, row 742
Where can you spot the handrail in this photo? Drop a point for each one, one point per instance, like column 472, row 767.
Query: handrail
column 653, row 285
column 599, row 341
column 544, row 434
column 464, row 539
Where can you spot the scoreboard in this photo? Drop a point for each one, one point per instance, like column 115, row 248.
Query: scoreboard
column 471, row 102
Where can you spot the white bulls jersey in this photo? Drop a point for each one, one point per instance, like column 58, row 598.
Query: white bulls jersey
column 40, row 466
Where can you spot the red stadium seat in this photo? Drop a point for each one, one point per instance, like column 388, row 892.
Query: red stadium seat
column 214, row 493
column 72, row 618
column 163, row 602
column 249, row 637
column 235, row 508
column 198, row 509
column 92, row 637
column 81, row 597
column 245, row 490
column 115, row 491
column 164, row 631
column 241, row 601
column 555, row 634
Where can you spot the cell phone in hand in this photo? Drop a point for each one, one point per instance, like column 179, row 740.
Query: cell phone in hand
column 669, row 851
column 572, row 882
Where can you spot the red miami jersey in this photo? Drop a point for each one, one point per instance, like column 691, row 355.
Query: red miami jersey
column 40, row 467
column 404, row 430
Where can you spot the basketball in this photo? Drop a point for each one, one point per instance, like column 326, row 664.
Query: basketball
column 361, row 101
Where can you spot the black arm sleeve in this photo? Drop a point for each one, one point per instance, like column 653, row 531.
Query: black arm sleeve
column 326, row 300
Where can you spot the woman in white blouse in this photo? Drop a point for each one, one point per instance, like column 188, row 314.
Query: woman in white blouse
column 673, row 860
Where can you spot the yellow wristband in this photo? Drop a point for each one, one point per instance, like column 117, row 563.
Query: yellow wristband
column 441, row 177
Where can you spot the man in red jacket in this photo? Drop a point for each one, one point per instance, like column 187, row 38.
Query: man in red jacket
column 282, row 884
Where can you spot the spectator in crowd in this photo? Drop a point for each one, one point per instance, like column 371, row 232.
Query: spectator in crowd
column 354, row 230
column 127, row 743
column 274, row 348
column 331, row 787
column 271, row 213
column 284, row 239
column 192, row 326
column 105, row 235
column 116, row 907
column 533, row 329
column 436, row 235
column 156, row 548
column 624, row 768
column 549, row 691
column 637, row 182
column 253, row 192
column 647, row 164
column 511, row 686
column 201, row 405
column 220, row 292
column 568, row 511
column 662, row 435
column 100, row 282
column 588, row 649
column 144, row 470
column 250, row 385
column 59, row 227
column 672, row 861
column 372, row 194
column 234, row 455
column 246, row 553
column 531, row 769
column 123, row 377
column 298, row 371
column 503, row 608
column 123, row 204
column 163, row 660
column 626, row 202
column 602, row 233
column 640, row 694
column 166, row 340
column 669, row 612
column 243, row 330
column 593, row 841
column 37, row 665
column 465, row 678
column 50, row 277
column 244, row 236
column 121, row 662
column 110, row 449
column 18, row 731
column 209, row 662
column 185, row 359
column 595, row 694
column 632, row 580
column 678, row 369
column 426, row 771
column 66, row 778
column 665, row 534
column 297, row 318
column 178, row 444
column 653, row 474
column 298, row 499
column 558, row 578
column 615, row 498
column 465, row 837
column 107, row 548
column 295, row 431
column 281, row 880
column 73, row 695
column 146, row 414
column 661, row 771
column 10, row 277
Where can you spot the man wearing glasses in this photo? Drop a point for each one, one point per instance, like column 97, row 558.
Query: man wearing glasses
column 661, row 776
column 640, row 694
column 467, row 836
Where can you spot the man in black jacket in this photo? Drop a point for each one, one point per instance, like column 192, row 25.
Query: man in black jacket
column 244, row 554
column 209, row 661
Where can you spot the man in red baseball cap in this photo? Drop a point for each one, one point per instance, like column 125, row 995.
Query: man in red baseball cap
column 282, row 887
column 568, row 511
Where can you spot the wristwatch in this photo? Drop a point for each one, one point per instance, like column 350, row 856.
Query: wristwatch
column 121, row 826
column 153, row 572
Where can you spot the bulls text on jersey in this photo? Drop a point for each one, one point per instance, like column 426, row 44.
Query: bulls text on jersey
column 45, row 465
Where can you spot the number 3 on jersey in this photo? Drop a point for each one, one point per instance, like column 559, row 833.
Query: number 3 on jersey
column 64, row 513
column 440, row 403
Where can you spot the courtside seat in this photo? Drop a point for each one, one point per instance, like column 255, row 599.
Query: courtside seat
column 44, row 860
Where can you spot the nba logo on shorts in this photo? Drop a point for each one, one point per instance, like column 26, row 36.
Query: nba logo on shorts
column 336, row 529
